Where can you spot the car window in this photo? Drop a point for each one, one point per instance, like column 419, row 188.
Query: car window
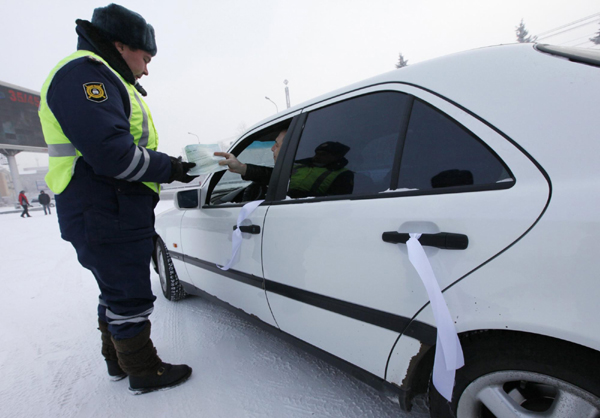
column 257, row 153
column 440, row 153
column 348, row 148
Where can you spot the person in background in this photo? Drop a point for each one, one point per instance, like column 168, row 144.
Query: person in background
column 44, row 200
column 105, row 171
column 24, row 204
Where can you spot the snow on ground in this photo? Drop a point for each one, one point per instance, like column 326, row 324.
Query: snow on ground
column 52, row 367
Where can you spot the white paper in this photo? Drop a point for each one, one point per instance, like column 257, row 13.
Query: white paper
column 236, row 238
column 203, row 156
column 448, row 351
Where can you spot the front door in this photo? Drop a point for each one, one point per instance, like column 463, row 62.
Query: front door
column 206, row 236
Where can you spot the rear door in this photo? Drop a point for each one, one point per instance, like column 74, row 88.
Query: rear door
column 419, row 164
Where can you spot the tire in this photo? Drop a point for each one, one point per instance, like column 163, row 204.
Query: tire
column 521, row 375
column 169, row 282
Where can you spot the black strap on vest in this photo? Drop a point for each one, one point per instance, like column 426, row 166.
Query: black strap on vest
column 319, row 181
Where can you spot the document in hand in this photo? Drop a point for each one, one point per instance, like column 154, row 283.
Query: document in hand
column 203, row 156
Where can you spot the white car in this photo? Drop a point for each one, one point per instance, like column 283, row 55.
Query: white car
column 493, row 155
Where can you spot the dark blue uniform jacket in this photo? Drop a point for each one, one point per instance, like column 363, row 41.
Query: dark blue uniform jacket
column 96, row 206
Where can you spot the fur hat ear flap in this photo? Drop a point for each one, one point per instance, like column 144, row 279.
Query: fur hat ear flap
column 120, row 24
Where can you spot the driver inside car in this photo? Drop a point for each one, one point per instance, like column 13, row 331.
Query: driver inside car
column 321, row 175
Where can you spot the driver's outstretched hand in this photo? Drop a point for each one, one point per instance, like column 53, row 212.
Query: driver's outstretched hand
column 235, row 166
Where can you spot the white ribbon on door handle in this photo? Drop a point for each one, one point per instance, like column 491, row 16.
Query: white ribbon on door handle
column 448, row 351
column 236, row 238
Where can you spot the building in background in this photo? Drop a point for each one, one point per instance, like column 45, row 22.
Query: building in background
column 32, row 181
column 20, row 130
column 6, row 188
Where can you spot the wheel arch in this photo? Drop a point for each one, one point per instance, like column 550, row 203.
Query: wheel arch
column 420, row 367
column 171, row 286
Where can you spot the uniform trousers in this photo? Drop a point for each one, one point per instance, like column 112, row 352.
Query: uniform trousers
column 122, row 271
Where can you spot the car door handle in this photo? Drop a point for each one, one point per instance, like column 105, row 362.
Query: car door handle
column 251, row 229
column 444, row 240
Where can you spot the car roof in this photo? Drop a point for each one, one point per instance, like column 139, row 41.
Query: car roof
column 454, row 74
column 525, row 91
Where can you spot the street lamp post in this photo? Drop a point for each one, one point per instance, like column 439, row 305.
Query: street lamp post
column 190, row 133
column 287, row 93
column 276, row 108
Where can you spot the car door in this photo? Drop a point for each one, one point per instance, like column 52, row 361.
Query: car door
column 419, row 164
column 206, row 233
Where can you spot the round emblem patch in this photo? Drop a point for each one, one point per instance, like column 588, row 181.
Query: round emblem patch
column 95, row 92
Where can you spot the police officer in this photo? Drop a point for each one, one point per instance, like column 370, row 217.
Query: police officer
column 105, row 174
column 324, row 174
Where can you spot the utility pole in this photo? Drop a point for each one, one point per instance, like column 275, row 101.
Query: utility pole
column 14, row 170
column 287, row 93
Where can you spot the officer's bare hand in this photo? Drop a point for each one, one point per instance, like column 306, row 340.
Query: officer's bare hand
column 235, row 166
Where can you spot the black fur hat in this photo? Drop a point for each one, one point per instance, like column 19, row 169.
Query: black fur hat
column 335, row 148
column 120, row 24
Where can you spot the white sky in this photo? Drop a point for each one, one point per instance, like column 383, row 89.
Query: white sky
column 217, row 60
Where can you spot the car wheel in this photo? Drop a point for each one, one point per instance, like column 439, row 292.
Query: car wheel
column 169, row 282
column 517, row 375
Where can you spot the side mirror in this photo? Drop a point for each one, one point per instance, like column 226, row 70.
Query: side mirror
column 187, row 199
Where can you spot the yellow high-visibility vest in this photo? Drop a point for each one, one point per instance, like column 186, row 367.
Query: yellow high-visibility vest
column 314, row 181
column 63, row 154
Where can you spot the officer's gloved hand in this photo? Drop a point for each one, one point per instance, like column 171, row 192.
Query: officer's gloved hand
column 179, row 171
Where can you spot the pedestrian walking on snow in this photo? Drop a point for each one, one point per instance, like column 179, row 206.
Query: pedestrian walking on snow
column 24, row 204
column 44, row 200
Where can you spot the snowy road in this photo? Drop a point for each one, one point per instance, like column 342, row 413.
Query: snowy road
column 50, row 349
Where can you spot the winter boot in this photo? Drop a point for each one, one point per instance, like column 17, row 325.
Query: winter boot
column 110, row 354
column 147, row 372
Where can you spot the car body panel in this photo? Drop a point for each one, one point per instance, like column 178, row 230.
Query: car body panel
column 550, row 292
column 168, row 227
column 206, row 237
column 335, row 249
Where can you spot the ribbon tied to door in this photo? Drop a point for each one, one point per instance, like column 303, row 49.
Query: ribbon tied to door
column 448, row 351
column 236, row 238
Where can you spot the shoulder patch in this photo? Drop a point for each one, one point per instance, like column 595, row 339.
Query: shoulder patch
column 94, row 60
column 95, row 92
